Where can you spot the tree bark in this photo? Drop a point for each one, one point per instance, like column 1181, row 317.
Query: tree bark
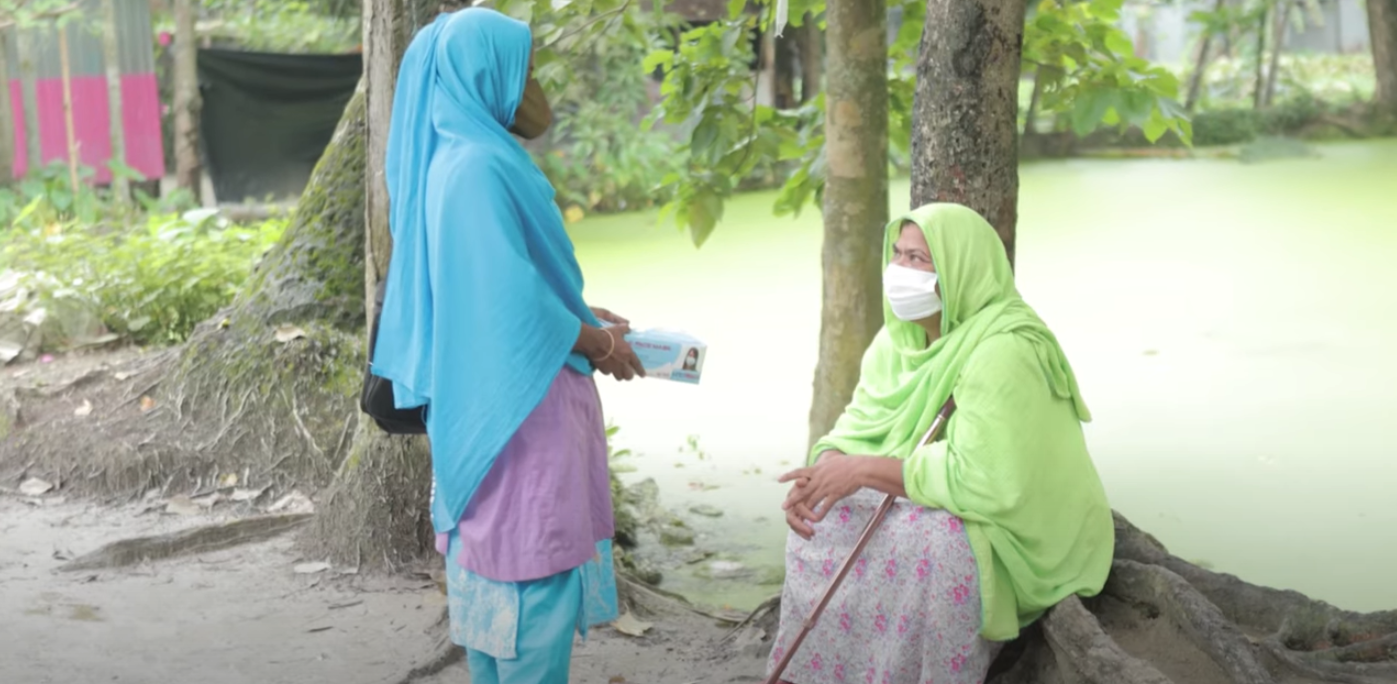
column 1200, row 63
column 1382, row 28
column 29, row 91
column 376, row 511
column 810, row 42
column 7, row 126
column 855, row 201
column 70, row 133
column 188, row 174
column 783, row 79
column 965, row 138
column 111, row 56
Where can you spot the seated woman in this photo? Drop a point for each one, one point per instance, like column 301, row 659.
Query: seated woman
column 998, row 521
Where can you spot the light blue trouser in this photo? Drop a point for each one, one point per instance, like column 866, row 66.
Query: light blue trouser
column 547, row 623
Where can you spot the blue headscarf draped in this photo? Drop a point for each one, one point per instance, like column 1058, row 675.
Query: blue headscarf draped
column 484, row 296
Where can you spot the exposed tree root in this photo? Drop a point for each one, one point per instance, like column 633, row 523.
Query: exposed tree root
column 197, row 540
column 1203, row 627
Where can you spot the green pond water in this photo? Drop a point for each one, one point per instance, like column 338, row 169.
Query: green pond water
column 1233, row 327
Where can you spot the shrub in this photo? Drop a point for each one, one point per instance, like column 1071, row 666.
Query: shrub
column 150, row 284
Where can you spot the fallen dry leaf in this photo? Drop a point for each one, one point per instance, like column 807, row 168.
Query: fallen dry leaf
column 35, row 487
column 628, row 624
column 147, row 404
column 208, row 501
column 120, row 377
column 246, row 494
column 181, row 505
column 84, row 410
column 295, row 502
column 227, row 480
column 287, row 333
column 311, row 568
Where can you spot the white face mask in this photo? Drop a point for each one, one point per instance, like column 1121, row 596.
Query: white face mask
column 911, row 293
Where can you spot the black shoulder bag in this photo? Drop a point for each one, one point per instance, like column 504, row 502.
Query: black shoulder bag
column 377, row 398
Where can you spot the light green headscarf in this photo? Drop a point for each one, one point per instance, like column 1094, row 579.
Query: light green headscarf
column 1014, row 465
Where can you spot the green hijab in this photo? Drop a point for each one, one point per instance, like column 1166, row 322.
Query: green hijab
column 1014, row 464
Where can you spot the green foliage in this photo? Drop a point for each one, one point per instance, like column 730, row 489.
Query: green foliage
column 1087, row 70
column 151, row 283
column 1237, row 125
column 587, row 56
column 45, row 197
column 294, row 26
column 1088, row 65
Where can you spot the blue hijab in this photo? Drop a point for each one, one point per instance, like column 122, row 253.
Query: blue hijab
column 484, row 296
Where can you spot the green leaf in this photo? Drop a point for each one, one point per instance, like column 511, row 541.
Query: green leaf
column 657, row 59
column 1089, row 109
column 705, row 209
column 705, row 135
column 1155, row 128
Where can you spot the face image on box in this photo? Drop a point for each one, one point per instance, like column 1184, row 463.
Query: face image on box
column 669, row 354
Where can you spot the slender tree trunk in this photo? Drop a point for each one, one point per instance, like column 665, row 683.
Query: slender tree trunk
column 1031, row 116
column 783, row 79
column 965, row 137
column 1259, row 85
column 1278, row 36
column 812, row 58
column 1200, row 62
column 29, row 91
column 7, row 118
column 1382, row 28
column 69, row 131
column 855, row 200
column 188, row 174
column 111, row 56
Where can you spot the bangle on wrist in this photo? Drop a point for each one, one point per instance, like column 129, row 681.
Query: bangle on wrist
column 611, row 350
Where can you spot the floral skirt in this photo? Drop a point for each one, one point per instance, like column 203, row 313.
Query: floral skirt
column 907, row 613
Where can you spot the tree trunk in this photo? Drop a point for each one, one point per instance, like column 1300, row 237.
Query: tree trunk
column 810, row 42
column 1382, row 27
column 111, row 56
column 70, row 133
column 1259, row 85
column 1200, row 63
column 376, row 511
column 1278, row 36
column 784, row 70
column 964, row 136
column 855, row 201
column 7, row 119
column 29, row 91
column 187, row 101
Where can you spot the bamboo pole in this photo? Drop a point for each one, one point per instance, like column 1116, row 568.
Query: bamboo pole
column 68, row 127
column 7, row 119
column 111, row 55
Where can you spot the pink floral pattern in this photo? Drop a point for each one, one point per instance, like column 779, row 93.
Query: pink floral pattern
column 889, row 626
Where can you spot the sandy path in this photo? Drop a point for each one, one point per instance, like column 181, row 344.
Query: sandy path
column 243, row 615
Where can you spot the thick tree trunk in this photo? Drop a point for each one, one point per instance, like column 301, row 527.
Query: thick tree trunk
column 111, row 55
column 855, row 200
column 187, row 101
column 965, row 138
column 1382, row 28
column 376, row 512
column 810, row 42
column 7, row 119
column 29, row 91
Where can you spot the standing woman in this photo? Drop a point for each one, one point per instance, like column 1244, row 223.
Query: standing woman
column 484, row 326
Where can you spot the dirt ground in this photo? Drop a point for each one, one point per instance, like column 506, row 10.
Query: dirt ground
column 247, row 615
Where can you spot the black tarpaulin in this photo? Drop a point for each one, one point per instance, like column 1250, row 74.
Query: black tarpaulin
column 266, row 118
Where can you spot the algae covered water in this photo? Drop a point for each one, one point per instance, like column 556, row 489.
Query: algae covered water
column 1233, row 327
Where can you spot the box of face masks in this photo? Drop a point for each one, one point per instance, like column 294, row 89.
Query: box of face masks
column 669, row 354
